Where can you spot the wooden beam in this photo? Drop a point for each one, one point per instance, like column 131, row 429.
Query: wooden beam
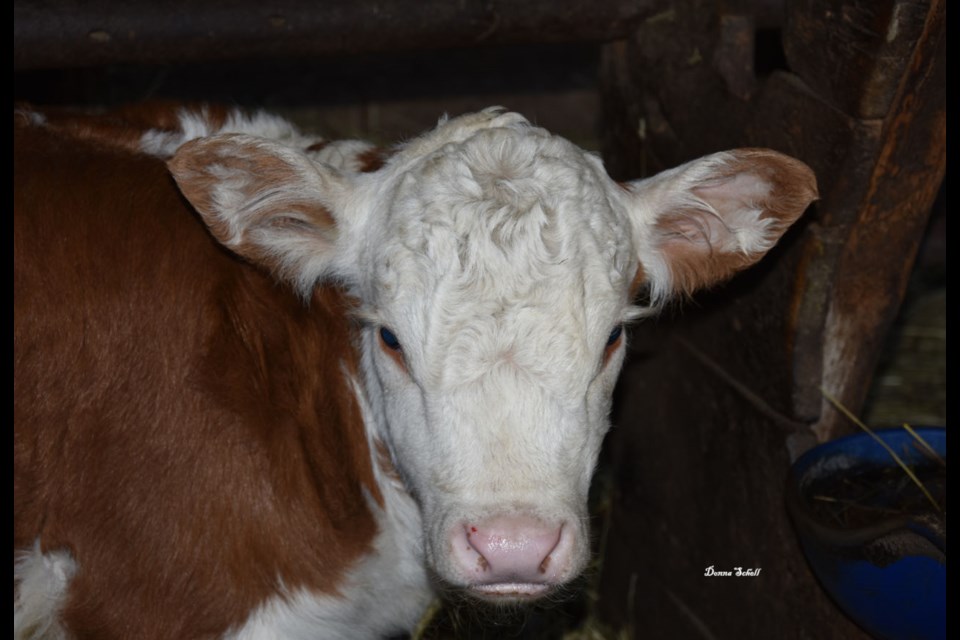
column 66, row 34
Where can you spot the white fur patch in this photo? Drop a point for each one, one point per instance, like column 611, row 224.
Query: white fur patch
column 498, row 256
column 198, row 124
column 343, row 155
column 40, row 588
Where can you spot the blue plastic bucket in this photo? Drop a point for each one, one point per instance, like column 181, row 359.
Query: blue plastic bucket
column 889, row 577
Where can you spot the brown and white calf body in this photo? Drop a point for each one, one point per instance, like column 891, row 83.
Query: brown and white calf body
column 298, row 387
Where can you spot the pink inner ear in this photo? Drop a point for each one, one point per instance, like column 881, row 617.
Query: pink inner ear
column 724, row 214
column 689, row 230
column 703, row 245
column 734, row 192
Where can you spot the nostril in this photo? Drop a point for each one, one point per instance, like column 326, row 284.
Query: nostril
column 546, row 562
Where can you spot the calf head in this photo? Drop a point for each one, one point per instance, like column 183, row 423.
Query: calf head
column 495, row 266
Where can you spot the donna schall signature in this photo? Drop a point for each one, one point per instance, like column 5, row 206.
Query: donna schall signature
column 736, row 572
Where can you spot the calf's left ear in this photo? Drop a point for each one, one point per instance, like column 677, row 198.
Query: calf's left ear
column 268, row 203
column 699, row 223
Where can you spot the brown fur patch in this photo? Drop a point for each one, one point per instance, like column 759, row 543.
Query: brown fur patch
column 372, row 160
column 182, row 425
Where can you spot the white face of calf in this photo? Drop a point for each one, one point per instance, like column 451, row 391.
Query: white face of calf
column 496, row 306
column 495, row 265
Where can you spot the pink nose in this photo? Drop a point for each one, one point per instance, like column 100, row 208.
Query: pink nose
column 511, row 555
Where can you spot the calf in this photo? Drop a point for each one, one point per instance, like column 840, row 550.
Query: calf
column 299, row 386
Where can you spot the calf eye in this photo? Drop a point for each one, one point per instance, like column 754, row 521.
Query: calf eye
column 614, row 335
column 389, row 339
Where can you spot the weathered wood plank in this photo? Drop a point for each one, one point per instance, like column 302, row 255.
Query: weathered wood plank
column 65, row 34
column 853, row 54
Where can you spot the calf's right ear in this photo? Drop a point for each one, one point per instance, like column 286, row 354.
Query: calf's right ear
column 268, row 203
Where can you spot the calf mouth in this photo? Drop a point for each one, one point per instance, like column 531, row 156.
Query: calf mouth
column 510, row 591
